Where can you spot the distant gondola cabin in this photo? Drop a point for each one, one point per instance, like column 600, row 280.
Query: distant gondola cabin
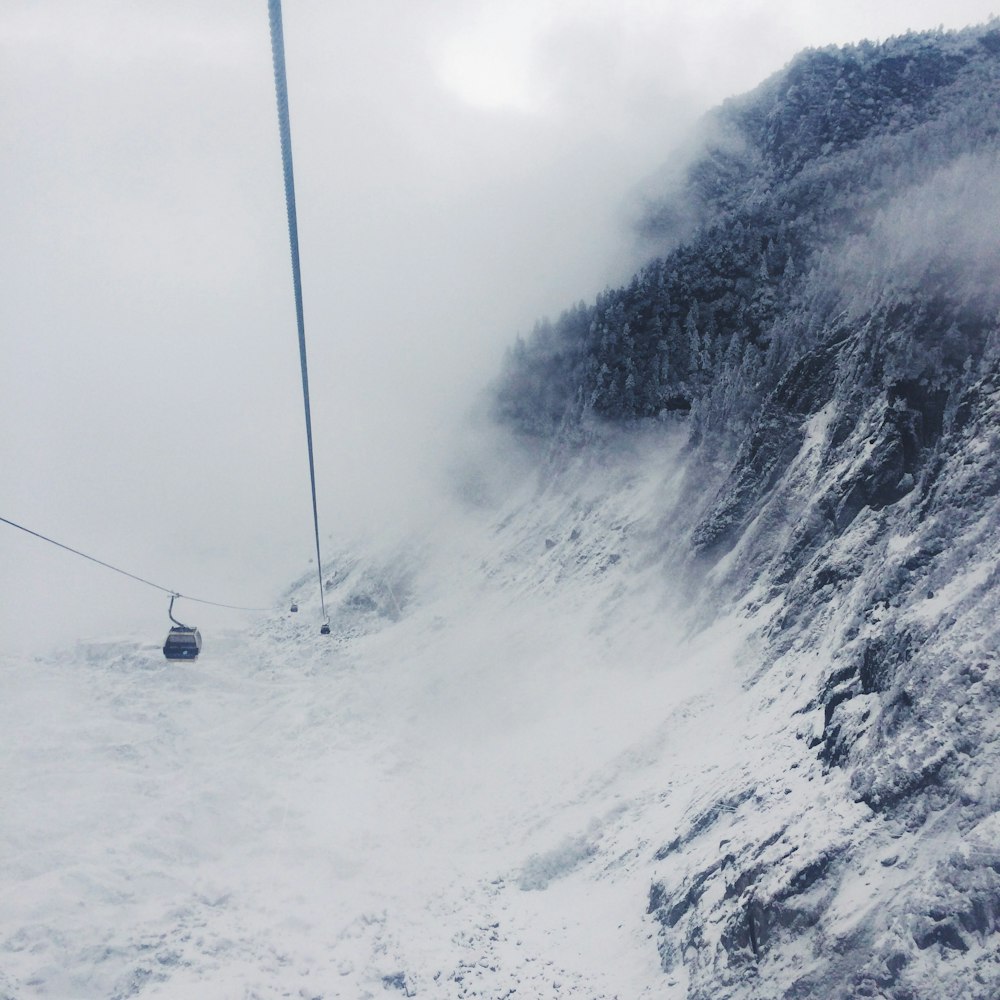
column 183, row 643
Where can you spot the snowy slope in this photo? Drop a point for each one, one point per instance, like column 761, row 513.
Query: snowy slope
column 544, row 751
column 443, row 797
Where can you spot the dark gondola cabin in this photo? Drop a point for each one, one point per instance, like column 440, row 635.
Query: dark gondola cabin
column 183, row 643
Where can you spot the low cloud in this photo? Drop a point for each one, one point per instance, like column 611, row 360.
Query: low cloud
column 942, row 235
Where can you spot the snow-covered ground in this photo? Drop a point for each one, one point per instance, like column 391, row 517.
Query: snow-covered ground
column 444, row 798
column 536, row 757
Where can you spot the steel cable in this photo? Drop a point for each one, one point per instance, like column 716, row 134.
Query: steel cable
column 133, row 576
column 284, row 127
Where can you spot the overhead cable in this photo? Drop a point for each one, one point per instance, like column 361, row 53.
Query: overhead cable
column 284, row 127
column 123, row 572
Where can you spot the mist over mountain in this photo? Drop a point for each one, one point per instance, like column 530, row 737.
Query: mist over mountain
column 856, row 183
column 689, row 689
column 824, row 326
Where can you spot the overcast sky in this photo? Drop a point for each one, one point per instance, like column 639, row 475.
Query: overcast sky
column 462, row 168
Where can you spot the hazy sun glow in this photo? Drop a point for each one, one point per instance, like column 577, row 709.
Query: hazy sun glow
column 488, row 62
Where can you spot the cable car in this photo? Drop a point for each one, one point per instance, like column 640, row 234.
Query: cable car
column 294, row 608
column 325, row 630
column 183, row 642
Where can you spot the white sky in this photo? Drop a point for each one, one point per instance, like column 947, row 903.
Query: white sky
column 461, row 169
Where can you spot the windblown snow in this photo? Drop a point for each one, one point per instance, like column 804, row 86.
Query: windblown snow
column 521, row 765
column 442, row 798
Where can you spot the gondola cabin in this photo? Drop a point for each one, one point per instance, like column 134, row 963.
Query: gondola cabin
column 183, row 643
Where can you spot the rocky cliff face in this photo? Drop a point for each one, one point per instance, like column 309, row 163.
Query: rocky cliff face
column 863, row 860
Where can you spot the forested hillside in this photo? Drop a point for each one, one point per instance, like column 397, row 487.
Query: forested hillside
column 842, row 190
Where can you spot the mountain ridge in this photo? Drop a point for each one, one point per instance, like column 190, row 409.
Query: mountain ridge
column 829, row 334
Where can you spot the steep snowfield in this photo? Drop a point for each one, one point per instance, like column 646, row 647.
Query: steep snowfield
column 544, row 753
column 444, row 798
